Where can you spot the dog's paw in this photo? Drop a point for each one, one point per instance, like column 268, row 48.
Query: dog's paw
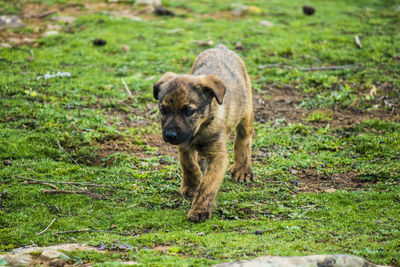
column 199, row 215
column 242, row 174
column 187, row 191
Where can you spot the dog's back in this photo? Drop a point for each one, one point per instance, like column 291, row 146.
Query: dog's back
column 230, row 68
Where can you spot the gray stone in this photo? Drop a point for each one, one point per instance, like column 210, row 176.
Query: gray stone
column 23, row 256
column 305, row 261
column 266, row 23
column 18, row 260
column 52, row 254
column 10, row 22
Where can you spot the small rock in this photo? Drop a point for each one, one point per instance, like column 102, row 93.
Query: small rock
column 266, row 23
column 99, row 42
column 308, row 10
column 102, row 247
column 49, row 33
column 239, row 46
column 294, row 261
column 7, row 162
column 10, row 22
column 125, row 48
column 153, row 3
column 201, row 234
column 239, row 11
column 52, row 254
column 136, row 18
column 259, row 232
column 57, row 263
column 18, row 260
column 162, row 11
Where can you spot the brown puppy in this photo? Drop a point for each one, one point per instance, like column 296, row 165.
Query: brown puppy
column 198, row 112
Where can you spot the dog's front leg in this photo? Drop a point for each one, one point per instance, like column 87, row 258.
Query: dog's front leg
column 191, row 172
column 215, row 155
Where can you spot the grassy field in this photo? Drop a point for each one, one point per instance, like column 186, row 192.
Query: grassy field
column 326, row 148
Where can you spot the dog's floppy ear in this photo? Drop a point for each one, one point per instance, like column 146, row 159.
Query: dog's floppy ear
column 213, row 85
column 157, row 85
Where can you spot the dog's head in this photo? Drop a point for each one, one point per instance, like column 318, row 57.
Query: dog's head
column 185, row 104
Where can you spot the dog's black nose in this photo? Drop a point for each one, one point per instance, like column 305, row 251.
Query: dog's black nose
column 170, row 136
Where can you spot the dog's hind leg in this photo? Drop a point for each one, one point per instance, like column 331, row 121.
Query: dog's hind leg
column 241, row 170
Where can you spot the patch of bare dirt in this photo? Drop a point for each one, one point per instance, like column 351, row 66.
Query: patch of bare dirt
column 139, row 148
column 312, row 181
column 279, row 103
column 162, row 249
column 39, row 18
column 134, row 148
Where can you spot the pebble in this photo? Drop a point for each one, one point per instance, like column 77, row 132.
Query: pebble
column 308, row 10
column 7, row 162
column 10, row 22
column 99, row 42
column 266, row 23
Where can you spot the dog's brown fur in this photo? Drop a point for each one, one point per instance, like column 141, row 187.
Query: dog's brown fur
column 198, row 112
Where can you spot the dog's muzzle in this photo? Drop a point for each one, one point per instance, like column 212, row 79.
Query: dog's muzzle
column 175, row 137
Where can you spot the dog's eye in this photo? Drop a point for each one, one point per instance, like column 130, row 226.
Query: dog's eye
column 163, row 111
column 188, row 111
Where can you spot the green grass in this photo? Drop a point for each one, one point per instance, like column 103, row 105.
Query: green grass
column 269, row 217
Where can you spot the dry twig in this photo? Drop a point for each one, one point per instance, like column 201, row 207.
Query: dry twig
column 357, row 41
column 341, row 67
column 62, row 182
column 333, row 67
column 284, row 183
column 59, row 146
column 127, row 88
column 94, row 231
column 39, row 182
column 41, row 16
column 74, row 192
column 46, row 227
